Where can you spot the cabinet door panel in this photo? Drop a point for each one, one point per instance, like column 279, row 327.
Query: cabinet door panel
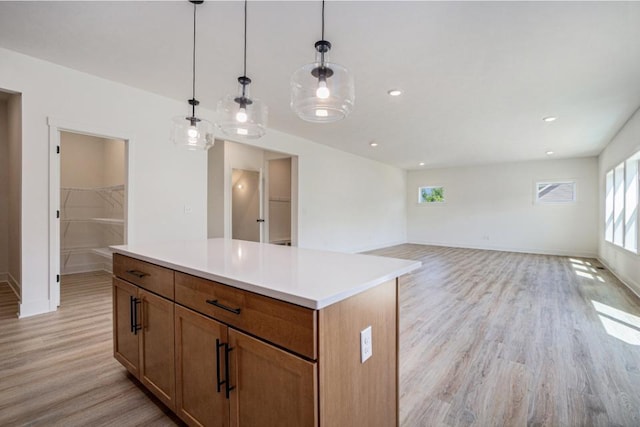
column 272, row 387
column 197, row 400
column 157, row 362
column 125, row 342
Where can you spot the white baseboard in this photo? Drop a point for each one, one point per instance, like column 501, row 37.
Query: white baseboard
column 628, row 282
column 509, row 249
column 378, row 246
column 13, row 283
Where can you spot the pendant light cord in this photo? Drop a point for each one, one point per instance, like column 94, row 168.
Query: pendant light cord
column 193, row 110
column 322, row 20
column 244, row 74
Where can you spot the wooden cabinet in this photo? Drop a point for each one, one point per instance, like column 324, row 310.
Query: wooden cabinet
column 200, row 369
column 225, row 357
column 126, row 348
column 272, row 387
column 143, row 328
column 157, row 363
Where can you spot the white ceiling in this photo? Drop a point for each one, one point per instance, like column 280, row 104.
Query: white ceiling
column 478, row 77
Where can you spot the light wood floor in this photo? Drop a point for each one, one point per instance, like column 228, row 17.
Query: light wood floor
column 505, row 339
column 487, row 339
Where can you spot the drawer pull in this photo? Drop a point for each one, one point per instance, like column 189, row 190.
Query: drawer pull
column 222, row 306
column 139, row 274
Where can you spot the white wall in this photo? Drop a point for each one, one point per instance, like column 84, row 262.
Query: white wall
column 624, row 264
column 16, row 222
column 4, row 191
column 346, row 202
column 492, row 207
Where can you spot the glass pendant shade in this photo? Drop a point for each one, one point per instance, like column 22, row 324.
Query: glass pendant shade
column 192, row 133
column 322, row 91
column 242, row 115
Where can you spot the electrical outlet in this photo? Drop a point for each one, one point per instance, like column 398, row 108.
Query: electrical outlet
column 187, row 209
column 366, row 346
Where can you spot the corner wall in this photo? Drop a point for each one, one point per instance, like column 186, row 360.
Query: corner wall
column 493, row 207
column 622, row 263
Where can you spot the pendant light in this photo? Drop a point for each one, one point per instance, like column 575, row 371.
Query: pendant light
column 322, row 91
column 192, row 132
column 242, row 115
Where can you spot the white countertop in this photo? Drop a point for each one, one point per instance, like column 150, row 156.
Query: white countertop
column 310, row 278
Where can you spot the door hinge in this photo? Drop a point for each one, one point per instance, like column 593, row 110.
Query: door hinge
column 57, row 149
column 57, row 278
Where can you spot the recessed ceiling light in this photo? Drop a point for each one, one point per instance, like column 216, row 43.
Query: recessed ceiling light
column 394, row 92
column 421, row 164
column 549, row 153
column 373, row 144
column 549, row 119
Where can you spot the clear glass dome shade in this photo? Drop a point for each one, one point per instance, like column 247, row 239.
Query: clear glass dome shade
column 241, row 115
column 194, row 134
column 322, row 92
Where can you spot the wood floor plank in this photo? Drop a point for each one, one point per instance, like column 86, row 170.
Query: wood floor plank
column 486, row 339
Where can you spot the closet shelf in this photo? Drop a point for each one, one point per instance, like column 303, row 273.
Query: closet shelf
column 109, row 188
column 111, row 221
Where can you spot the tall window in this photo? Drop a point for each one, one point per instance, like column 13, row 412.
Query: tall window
column 621, row 204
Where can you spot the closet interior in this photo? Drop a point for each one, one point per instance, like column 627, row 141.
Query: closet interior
column 92, row 201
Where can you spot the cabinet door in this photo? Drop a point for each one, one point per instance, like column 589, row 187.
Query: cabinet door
column 200, row 368
column 157, row 362
column 271, row 386
column 125, row 335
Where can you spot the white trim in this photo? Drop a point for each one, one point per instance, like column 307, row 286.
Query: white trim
column 34, row 308
column 12, row 282
column 55, row 127
column 378, row 246
column 88, row 268
column 631, row 284
column 508, row 249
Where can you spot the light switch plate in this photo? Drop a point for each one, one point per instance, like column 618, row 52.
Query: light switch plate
column 366, row 346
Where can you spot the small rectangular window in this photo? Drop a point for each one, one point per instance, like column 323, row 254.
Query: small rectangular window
column 430, row 195
column 556, row 192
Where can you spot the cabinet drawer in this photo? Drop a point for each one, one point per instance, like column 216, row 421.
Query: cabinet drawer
column 151, row 277
column 284, row 324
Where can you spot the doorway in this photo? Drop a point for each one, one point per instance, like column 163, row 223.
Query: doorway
column 246, row 205
column 90, row 198
column 92, row 186
column 252, row 194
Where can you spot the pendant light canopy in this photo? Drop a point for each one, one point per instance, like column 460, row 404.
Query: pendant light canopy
column 322, row 91
column 192, row 132
column 242, row 115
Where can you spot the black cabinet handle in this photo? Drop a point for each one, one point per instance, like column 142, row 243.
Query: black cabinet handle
column 134, row 324
column 260, row 220
column 131, row 310
column 218, row 382
column 228, row 387
column 222, row 306
column 139, row 274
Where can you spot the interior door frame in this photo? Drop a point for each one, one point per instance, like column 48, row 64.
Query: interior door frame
column 56, row 126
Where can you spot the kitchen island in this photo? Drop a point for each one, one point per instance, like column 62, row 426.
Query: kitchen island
column 229, row 332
